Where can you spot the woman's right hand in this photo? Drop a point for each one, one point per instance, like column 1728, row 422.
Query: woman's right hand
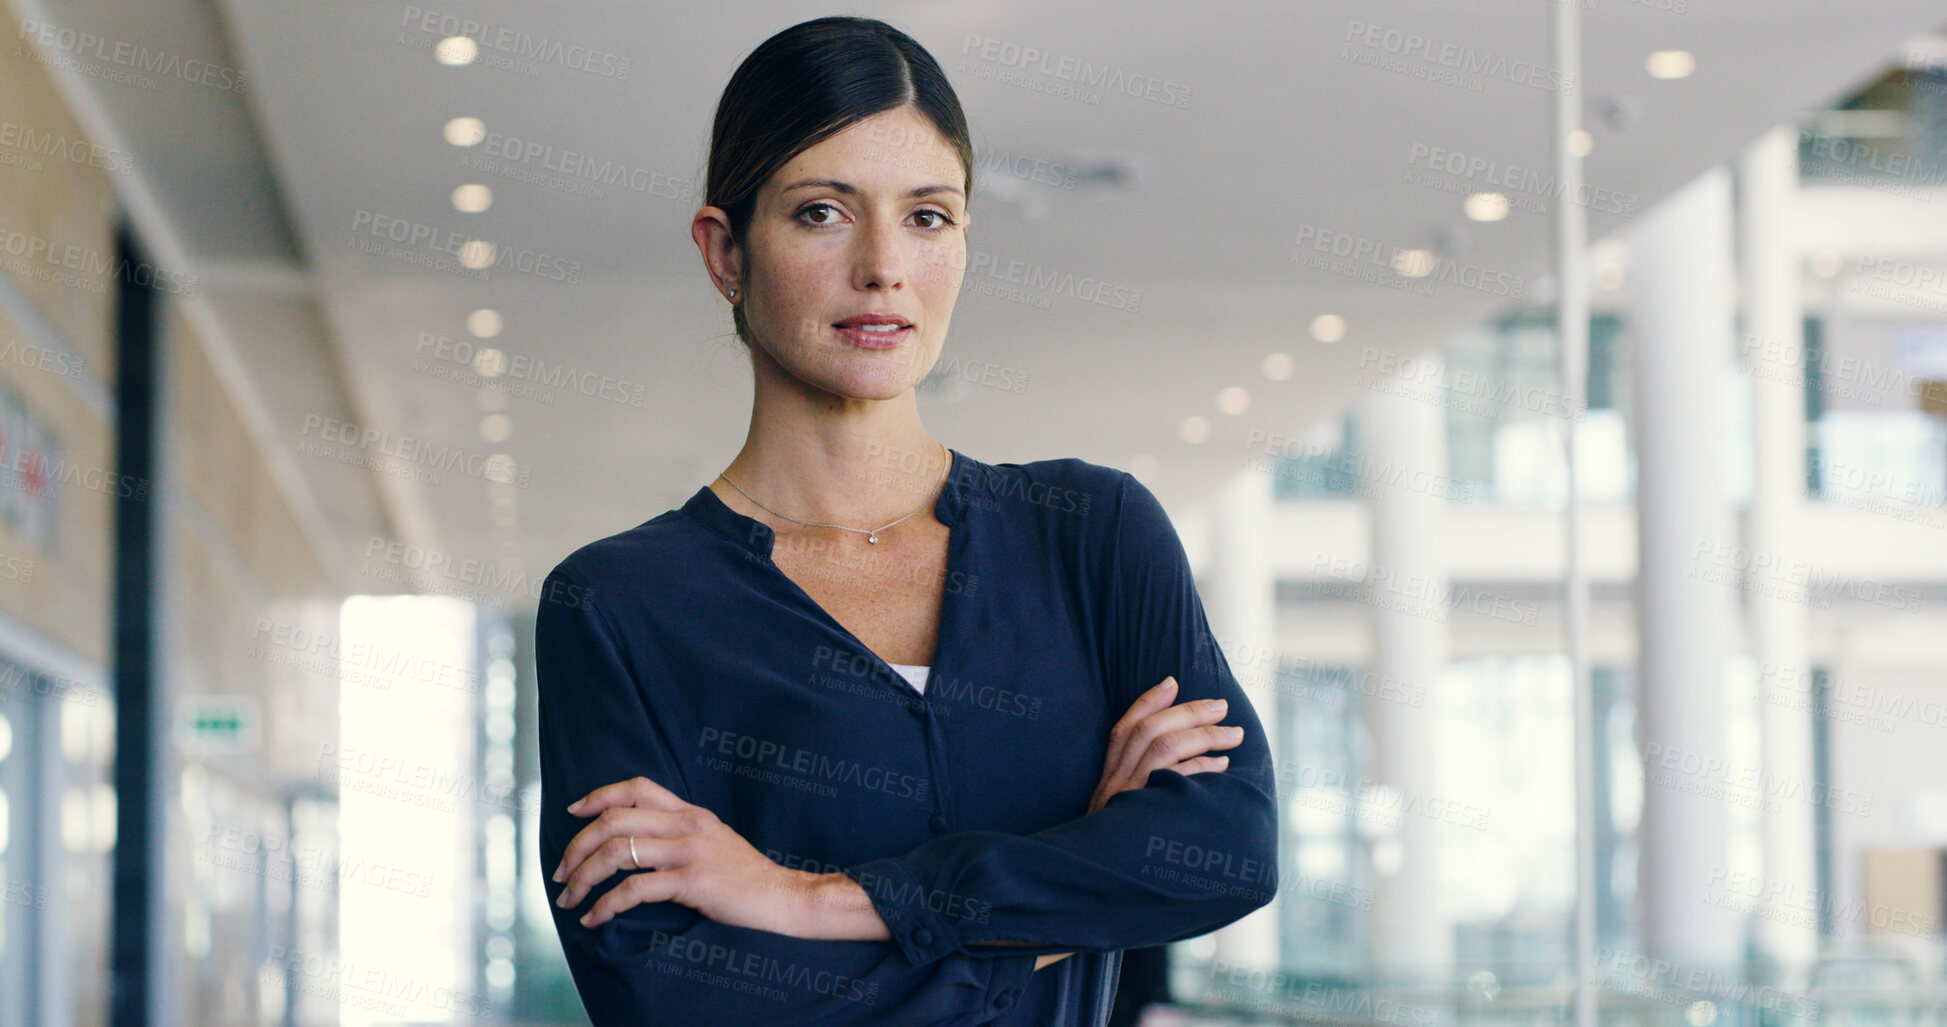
column 1154, row 735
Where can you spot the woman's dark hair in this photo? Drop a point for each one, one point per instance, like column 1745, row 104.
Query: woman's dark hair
column 806, row 83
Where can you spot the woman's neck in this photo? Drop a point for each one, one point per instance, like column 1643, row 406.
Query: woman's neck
column 859, row 464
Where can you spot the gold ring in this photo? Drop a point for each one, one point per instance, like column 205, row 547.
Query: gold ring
column 632, row 855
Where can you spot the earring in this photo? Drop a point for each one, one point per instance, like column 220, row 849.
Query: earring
column 733, row 292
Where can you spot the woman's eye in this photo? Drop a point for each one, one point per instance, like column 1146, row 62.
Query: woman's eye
column 805, row 214
column 943, row 222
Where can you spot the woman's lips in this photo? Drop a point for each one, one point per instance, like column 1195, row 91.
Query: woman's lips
column 866, row 339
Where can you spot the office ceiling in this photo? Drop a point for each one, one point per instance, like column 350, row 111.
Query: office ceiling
column 1296, row 120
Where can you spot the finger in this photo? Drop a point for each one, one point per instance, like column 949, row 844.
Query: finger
column 635, row 890
column 616, row 857
column 1147, row 703
column 1201, row 765
column 618, row 822
column 1178, row 746
column 636, row 791
column 1194, row 713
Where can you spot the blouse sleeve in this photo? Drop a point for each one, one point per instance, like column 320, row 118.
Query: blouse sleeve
column 1179, row 857
column 664, row 963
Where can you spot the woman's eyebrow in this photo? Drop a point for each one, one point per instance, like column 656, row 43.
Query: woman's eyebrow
column 851, row 190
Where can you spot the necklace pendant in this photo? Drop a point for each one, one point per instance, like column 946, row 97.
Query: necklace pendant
column 872, row 537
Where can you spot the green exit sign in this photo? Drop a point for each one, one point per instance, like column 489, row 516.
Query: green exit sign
column 208, row 724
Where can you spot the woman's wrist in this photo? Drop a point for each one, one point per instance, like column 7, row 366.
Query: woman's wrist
column 833, row 907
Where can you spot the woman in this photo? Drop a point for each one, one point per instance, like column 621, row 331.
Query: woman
column 863, row 733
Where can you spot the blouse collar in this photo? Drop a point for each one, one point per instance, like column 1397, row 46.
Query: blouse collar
column 707, row 509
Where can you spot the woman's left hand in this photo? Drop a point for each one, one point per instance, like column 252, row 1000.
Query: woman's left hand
column 698, row 861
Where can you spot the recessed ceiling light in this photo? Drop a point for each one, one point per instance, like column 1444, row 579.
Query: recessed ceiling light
column 1328, row 328
column 483, row 323
column 1609, row 276
column 1671, row 64
column 496, row 428
column 1413, row 263
column 1278, row 366
column 465, row 131
column 1233, row 400
column 456, row 50
column 1581, row 143
column 472, row 198
column 1193, row 430
column 476, row 254
column 1486, row 206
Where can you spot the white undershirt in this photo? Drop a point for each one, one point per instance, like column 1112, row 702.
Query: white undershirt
column 914, row 673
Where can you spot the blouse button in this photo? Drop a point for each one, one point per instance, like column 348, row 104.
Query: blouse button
column 918, row 710
column 937, row 822
column 923, row 936
column 1006, row 998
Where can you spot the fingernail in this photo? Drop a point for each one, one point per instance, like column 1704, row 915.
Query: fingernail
column 1233, row 732
column 1169, row 684
column 585, row 917
column 557, row 873
column 575, row 806
column 1223, row 761
column 1214, row 705
column 561, row 900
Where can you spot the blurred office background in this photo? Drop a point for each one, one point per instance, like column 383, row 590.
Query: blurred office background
column 327, row 329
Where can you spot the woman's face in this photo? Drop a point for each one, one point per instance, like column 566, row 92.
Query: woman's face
column 871, row 220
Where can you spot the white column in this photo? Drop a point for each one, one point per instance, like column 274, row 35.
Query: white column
column 1774, row 347
column 1405, row 440
column 1682, row 334
column 1242, row 605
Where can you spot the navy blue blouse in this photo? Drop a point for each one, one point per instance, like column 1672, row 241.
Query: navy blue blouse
column 679, row 652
